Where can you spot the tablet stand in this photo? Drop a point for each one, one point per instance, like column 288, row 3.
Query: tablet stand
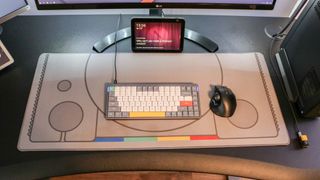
column 125, row 33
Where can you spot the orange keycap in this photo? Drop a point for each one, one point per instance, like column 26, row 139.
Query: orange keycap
column 185, row 103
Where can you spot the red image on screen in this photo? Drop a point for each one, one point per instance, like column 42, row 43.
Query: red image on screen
column 158, row 35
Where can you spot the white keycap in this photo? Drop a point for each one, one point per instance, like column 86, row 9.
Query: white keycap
column 122, row 93
column 152, row 109
column 175, row 108
column 126, row 103
column 134, row 93
column 150, row 93
column 133, row 90
column 125, row 109
column 173, row 93
column 123, row 89
column 158, row 109
column 171, row 103
column 163, row 108
column 146, row 109
column 160, row 103
column 167, row 89
column 132, row 103
column 128, row 93
column 154, row 103
column 135, row 109
column 140, row 109
column 188, row 98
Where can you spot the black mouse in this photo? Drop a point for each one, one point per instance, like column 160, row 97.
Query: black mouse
column 223, row 101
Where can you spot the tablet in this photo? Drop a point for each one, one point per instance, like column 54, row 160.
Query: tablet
column 5, row 58
column 157, row 34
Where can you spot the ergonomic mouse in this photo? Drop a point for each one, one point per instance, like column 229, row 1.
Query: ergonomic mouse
column 223, row 101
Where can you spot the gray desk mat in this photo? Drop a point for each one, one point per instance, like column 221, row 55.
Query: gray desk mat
column 66, row 102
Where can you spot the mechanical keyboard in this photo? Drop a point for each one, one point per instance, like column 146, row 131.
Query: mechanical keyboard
column 152, row 101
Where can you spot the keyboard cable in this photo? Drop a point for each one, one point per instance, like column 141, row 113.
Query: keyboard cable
column 115, row 81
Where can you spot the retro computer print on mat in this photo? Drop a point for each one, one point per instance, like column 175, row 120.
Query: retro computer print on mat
column 65, row 110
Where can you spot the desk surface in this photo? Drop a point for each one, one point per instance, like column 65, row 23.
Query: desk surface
column 29, row 36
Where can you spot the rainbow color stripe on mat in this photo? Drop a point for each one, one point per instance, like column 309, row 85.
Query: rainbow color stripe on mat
column 156, row 139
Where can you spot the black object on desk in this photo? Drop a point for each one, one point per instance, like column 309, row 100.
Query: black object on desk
column 223, row 102
column 299, row 62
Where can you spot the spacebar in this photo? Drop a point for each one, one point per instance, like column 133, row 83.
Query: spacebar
column 147, row 114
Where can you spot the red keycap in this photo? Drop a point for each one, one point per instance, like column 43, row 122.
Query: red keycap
column 185, row 103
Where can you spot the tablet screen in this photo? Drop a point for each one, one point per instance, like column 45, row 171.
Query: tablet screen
column 158, row 35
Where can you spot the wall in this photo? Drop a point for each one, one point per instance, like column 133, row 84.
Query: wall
column 282, row 9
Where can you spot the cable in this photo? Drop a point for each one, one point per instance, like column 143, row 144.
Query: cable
column 297, row 12
column 221, row 69
column 115, row 81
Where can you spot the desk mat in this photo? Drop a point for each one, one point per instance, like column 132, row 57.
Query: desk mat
column 65, row 106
